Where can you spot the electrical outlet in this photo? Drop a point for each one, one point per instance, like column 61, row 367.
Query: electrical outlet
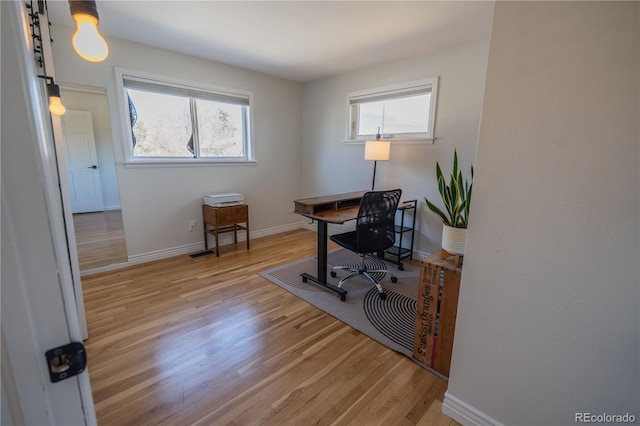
column 192, row 225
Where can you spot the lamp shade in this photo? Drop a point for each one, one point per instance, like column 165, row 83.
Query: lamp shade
column 377, row 150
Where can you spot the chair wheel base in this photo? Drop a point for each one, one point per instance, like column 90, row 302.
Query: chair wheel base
column 333, row 274
column 383, row 296
column 394, row 280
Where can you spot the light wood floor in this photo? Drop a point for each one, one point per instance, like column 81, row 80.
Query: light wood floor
column 207, row 341
column 99, row 239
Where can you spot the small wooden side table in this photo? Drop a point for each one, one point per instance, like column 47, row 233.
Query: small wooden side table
column 218, row 220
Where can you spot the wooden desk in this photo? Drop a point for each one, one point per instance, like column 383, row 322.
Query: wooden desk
column 218, row 220
column 338, row 209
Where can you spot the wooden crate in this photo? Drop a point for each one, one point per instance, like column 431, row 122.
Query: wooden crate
column 436, row 313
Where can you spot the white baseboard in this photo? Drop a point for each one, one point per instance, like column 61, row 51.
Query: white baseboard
column 225, row 239
column 136, row 259
column 146, row 257
column 464, row 413
column 419, row 255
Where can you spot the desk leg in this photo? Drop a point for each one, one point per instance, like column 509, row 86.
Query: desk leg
column 206, row 241
column 322, row 252
column 215, row 233
column 246, row 228
column 322, row 263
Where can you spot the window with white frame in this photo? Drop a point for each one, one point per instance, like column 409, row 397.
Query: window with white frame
column 170, row 121
column 404, row 111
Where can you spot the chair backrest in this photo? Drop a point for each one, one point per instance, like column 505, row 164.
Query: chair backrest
column 375, row 226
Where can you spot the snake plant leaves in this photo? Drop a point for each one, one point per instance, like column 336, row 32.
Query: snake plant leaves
column 437, row 211
column 456, row 196
column 455, row 163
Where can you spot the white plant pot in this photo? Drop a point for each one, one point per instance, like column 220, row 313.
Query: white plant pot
column 454, row 239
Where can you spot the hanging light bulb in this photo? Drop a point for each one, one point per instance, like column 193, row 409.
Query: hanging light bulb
column 87, row 41
column 55, row 105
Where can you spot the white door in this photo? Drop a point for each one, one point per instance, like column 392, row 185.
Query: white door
column 82, row 162
column 38, row 303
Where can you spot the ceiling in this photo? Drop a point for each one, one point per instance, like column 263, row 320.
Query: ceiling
column 296, row 40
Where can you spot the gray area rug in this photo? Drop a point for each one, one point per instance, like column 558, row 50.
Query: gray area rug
column 390, row 322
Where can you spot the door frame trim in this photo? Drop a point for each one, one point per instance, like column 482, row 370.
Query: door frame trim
column 70, row 233
column 55, row 241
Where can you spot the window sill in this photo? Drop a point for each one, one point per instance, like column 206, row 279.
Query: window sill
column 395, row 141
column 132, row 164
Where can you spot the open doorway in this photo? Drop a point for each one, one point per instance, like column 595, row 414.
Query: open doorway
column 92, row 179
column 99, row 239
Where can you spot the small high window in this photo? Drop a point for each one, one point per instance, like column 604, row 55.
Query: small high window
column 405, row 111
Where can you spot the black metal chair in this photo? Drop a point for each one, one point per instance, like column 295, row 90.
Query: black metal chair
column 374, row 233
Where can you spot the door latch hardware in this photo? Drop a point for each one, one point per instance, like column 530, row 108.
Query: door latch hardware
column 92, row 167
column 66, row 361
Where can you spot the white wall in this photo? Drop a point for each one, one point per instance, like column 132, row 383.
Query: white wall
column 330, row 166
column 157, row 203
column 548, row 320
column 96, row 104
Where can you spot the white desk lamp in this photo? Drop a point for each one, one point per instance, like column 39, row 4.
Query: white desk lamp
column 377, row 150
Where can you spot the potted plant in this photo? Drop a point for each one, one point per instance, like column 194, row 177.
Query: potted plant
column 456, row 197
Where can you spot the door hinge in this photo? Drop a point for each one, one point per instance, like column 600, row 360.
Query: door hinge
column 66, row 361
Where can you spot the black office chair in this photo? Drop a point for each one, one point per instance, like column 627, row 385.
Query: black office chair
column 375, row 232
